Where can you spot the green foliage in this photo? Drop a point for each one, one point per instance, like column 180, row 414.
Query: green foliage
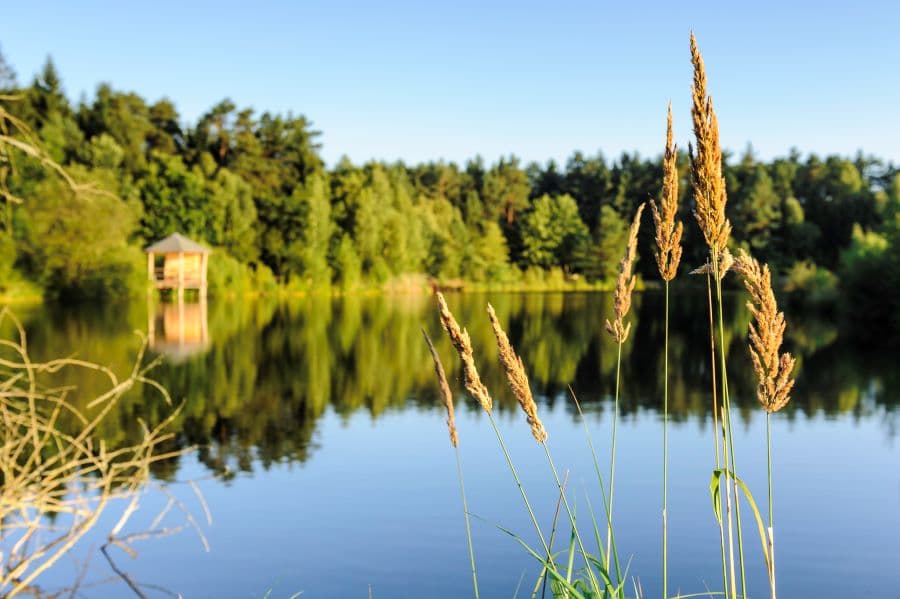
column 232, row 216
column 174, row 199
column 79, row 243
column 552, row 232
column 229, row 277
column 255, row 187
column 308, row 254
column 811, row 286
column 870, row 276
column 7, row 257
column 600, row 260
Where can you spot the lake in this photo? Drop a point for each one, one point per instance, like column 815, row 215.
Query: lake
column 323, row 455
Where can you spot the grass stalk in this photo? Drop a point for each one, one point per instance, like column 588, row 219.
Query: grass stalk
column 542, row 579
column 587, row 562
column 728, row 455
column 612, row 459
column 771, row 531
column 462, row 492
column 596, row 462
column 712, row 350
column 515, row 475
column 665, row 538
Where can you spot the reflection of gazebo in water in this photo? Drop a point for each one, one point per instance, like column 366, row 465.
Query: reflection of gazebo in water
column 178, row 329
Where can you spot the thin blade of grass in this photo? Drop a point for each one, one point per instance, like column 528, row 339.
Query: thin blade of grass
column 552, row 571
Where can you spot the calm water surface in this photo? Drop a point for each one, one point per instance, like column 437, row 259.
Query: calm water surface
column 324, row 458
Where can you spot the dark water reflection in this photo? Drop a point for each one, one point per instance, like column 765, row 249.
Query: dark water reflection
column 341, row 387
column 271, row 369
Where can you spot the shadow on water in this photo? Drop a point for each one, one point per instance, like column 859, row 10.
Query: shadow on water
column 267, row 371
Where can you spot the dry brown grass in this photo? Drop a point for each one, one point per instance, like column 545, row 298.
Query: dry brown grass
column 460, row 339
column 766, row 336
column 668, row 232
column 625, row 282
column 57, row 481
column 706, row 161
column 517, row 378
column 446, row 394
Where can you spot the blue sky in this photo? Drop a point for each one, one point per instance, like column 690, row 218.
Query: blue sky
column 448, row 80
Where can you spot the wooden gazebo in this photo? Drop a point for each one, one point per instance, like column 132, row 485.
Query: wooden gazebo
column 182, row 266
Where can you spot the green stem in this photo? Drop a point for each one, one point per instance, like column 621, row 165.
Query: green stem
column 665, row 541
column 712, row 363
column 462, row 492
column 587, row 562
column 515, row 474
column 712, row 350
column 726, row 402
column 771, row 508
column 612, row 459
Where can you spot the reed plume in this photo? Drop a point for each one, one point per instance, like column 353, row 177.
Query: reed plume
column 625, row 283
column 447, row 399
column 706, row 161
column 668, row 232
column 460, row 339
column 766, row 336
column 518, row 379
column 773, row 370
column 446, row 395
column 710, row 198
column 668, row 256
column 518, row 382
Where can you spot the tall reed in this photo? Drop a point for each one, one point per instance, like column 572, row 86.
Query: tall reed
column 447, row 399
column 668, row 256
column 518, row 382
column 619, row 330
column 772, row 369
column 472, row 380
column 710, row 197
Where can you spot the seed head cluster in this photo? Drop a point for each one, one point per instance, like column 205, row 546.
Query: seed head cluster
column 706, row 161
column 668, row 233
column 460, row 339
column 446, row 394
column 518, row 379
column 766, row 336
column 625, row 283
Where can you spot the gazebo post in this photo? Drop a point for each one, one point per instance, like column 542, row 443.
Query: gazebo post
column 204, row 261
column 180, row 277
column 151, row 320
column 151, row 268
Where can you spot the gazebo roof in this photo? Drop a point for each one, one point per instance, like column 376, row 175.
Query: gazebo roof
column 175, row 243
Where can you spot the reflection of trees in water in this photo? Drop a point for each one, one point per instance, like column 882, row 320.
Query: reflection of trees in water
column 273, row 370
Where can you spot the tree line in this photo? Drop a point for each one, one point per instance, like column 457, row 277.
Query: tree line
column 256, row 187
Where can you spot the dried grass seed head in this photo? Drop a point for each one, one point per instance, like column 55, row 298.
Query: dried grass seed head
column 463, row 345
column 706, row 161
column 517, row 377
column 446, row 394
column 766, row 336
column 625, row 283
column 668, row 232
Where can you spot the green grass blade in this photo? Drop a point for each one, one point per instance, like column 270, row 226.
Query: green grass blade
column 756, row 515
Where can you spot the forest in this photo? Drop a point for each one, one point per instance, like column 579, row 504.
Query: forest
column 255, row 187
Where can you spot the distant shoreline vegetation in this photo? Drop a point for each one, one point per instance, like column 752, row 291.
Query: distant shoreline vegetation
column 255, row 187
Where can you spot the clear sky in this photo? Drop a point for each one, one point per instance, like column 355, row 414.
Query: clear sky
column 447, row 80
